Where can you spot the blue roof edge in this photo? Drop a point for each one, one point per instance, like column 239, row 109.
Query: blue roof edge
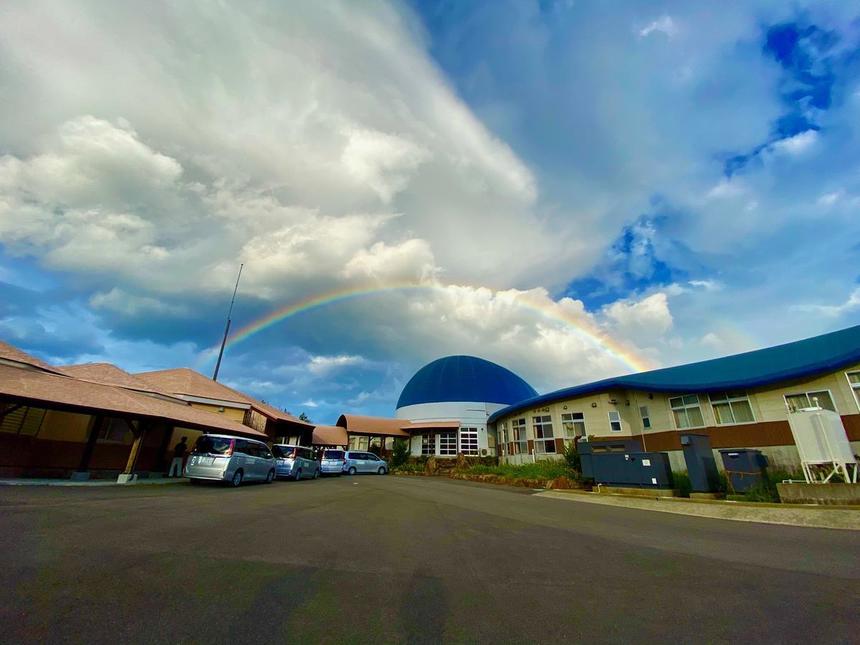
column 641, row 381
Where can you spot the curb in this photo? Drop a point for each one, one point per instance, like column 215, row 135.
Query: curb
column 798, row 515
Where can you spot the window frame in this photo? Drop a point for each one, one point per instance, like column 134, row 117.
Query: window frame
column 684, row 408
column 809, row 399
column 728, row 401
column 520, row 438
column 428, row 444
column 616, row 420
column 645, row 418
column 470, row 433
column 855, row 391
column 543, row 421
column 570, row 433
column 445, row 441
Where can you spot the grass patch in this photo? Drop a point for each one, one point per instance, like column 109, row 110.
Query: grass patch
column 408, row 468
column 537, row 470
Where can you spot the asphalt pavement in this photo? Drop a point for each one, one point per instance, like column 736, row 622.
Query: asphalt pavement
column 396, row 559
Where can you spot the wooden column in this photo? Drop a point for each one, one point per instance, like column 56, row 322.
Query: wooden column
column 95, row 428
column 134, row 453
column 161, row 462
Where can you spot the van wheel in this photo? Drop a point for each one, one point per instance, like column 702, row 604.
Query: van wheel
column 382, row 470
column 237, row 478
column 298, row 474
column 271, row 476
column 351, row 470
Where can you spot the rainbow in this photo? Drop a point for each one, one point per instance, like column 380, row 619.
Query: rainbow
column 594, row 336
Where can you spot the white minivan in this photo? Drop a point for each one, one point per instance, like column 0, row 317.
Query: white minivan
column 295, row 462
column 224, row 458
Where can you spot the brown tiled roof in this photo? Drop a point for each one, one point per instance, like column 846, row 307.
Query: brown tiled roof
column 274, row 413
column 65, row 392
column 330, row 436
column 108, row 374
column 184, row 380
column 188, row 382
column 11, row 353
column 358, row 424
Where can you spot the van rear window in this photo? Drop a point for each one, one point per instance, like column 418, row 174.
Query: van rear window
column 213, row 445
column 284, row 453
column 333, row 454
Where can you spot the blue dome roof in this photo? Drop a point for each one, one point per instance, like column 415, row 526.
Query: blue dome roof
column 464, row 378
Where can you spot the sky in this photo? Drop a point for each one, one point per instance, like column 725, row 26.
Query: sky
column 572, row 189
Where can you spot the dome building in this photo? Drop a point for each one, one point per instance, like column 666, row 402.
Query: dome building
column 449, row 400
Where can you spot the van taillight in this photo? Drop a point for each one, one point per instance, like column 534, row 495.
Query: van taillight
column 230, row 449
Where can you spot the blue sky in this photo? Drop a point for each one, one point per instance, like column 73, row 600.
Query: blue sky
column 678, row 180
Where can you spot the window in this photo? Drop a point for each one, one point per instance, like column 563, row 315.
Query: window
column 116, row 431
column 614, row 421
column 686, row 411
column 731, row 407
column 358, row 443
column 448, row 443
column 809, row 399
column 646, row 418
column 23, row 420
column 469, row 441
column 207, row 445
column 502, row 434
column 518, row 429
column 544, row 442
column 428, row 444
column 573, row 424
column 854, row 380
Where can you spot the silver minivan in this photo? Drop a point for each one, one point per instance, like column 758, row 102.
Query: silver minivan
column 363, row 462
column 295, row 462
column 332, row 461
column 231, row 459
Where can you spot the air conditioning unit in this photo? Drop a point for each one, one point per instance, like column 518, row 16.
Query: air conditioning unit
column 613, row 401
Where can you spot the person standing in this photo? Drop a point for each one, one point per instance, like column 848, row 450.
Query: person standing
column 179, row 451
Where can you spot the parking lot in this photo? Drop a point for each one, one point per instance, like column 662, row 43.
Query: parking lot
column 393, row 559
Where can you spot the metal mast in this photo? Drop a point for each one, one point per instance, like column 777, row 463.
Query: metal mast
column 227, row 328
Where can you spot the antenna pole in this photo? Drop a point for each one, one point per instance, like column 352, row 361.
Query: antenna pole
column 227, row 328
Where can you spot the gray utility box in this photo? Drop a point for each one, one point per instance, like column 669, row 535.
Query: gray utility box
column 745, row 468
column 622, row 463
column 701, row 465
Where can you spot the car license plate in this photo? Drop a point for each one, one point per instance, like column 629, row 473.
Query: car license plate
column 206, row 461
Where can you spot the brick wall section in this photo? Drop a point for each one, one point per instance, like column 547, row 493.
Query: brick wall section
column 761, row 434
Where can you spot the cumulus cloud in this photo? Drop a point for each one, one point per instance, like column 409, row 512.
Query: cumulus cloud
column 646, row 318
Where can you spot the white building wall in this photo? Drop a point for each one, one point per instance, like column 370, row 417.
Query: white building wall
column 470, row 414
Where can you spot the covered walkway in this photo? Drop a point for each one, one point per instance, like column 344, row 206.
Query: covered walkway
column 54, row 424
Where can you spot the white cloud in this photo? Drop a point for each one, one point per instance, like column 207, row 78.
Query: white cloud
column 130, row 305
column 797, row 144
column 648, row 318
column 322, row 365
column 852, row 303
column 664, row 25
column 383, row 161
column 828, row 199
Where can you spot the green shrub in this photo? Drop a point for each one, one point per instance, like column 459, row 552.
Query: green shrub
column 681, row 482
column 537, row 470
column 408, row 468
column 763, row 492
column 571, row 456
column 400, row 453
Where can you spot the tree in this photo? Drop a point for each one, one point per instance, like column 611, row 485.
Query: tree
column 400, row 453
column 305, row 418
